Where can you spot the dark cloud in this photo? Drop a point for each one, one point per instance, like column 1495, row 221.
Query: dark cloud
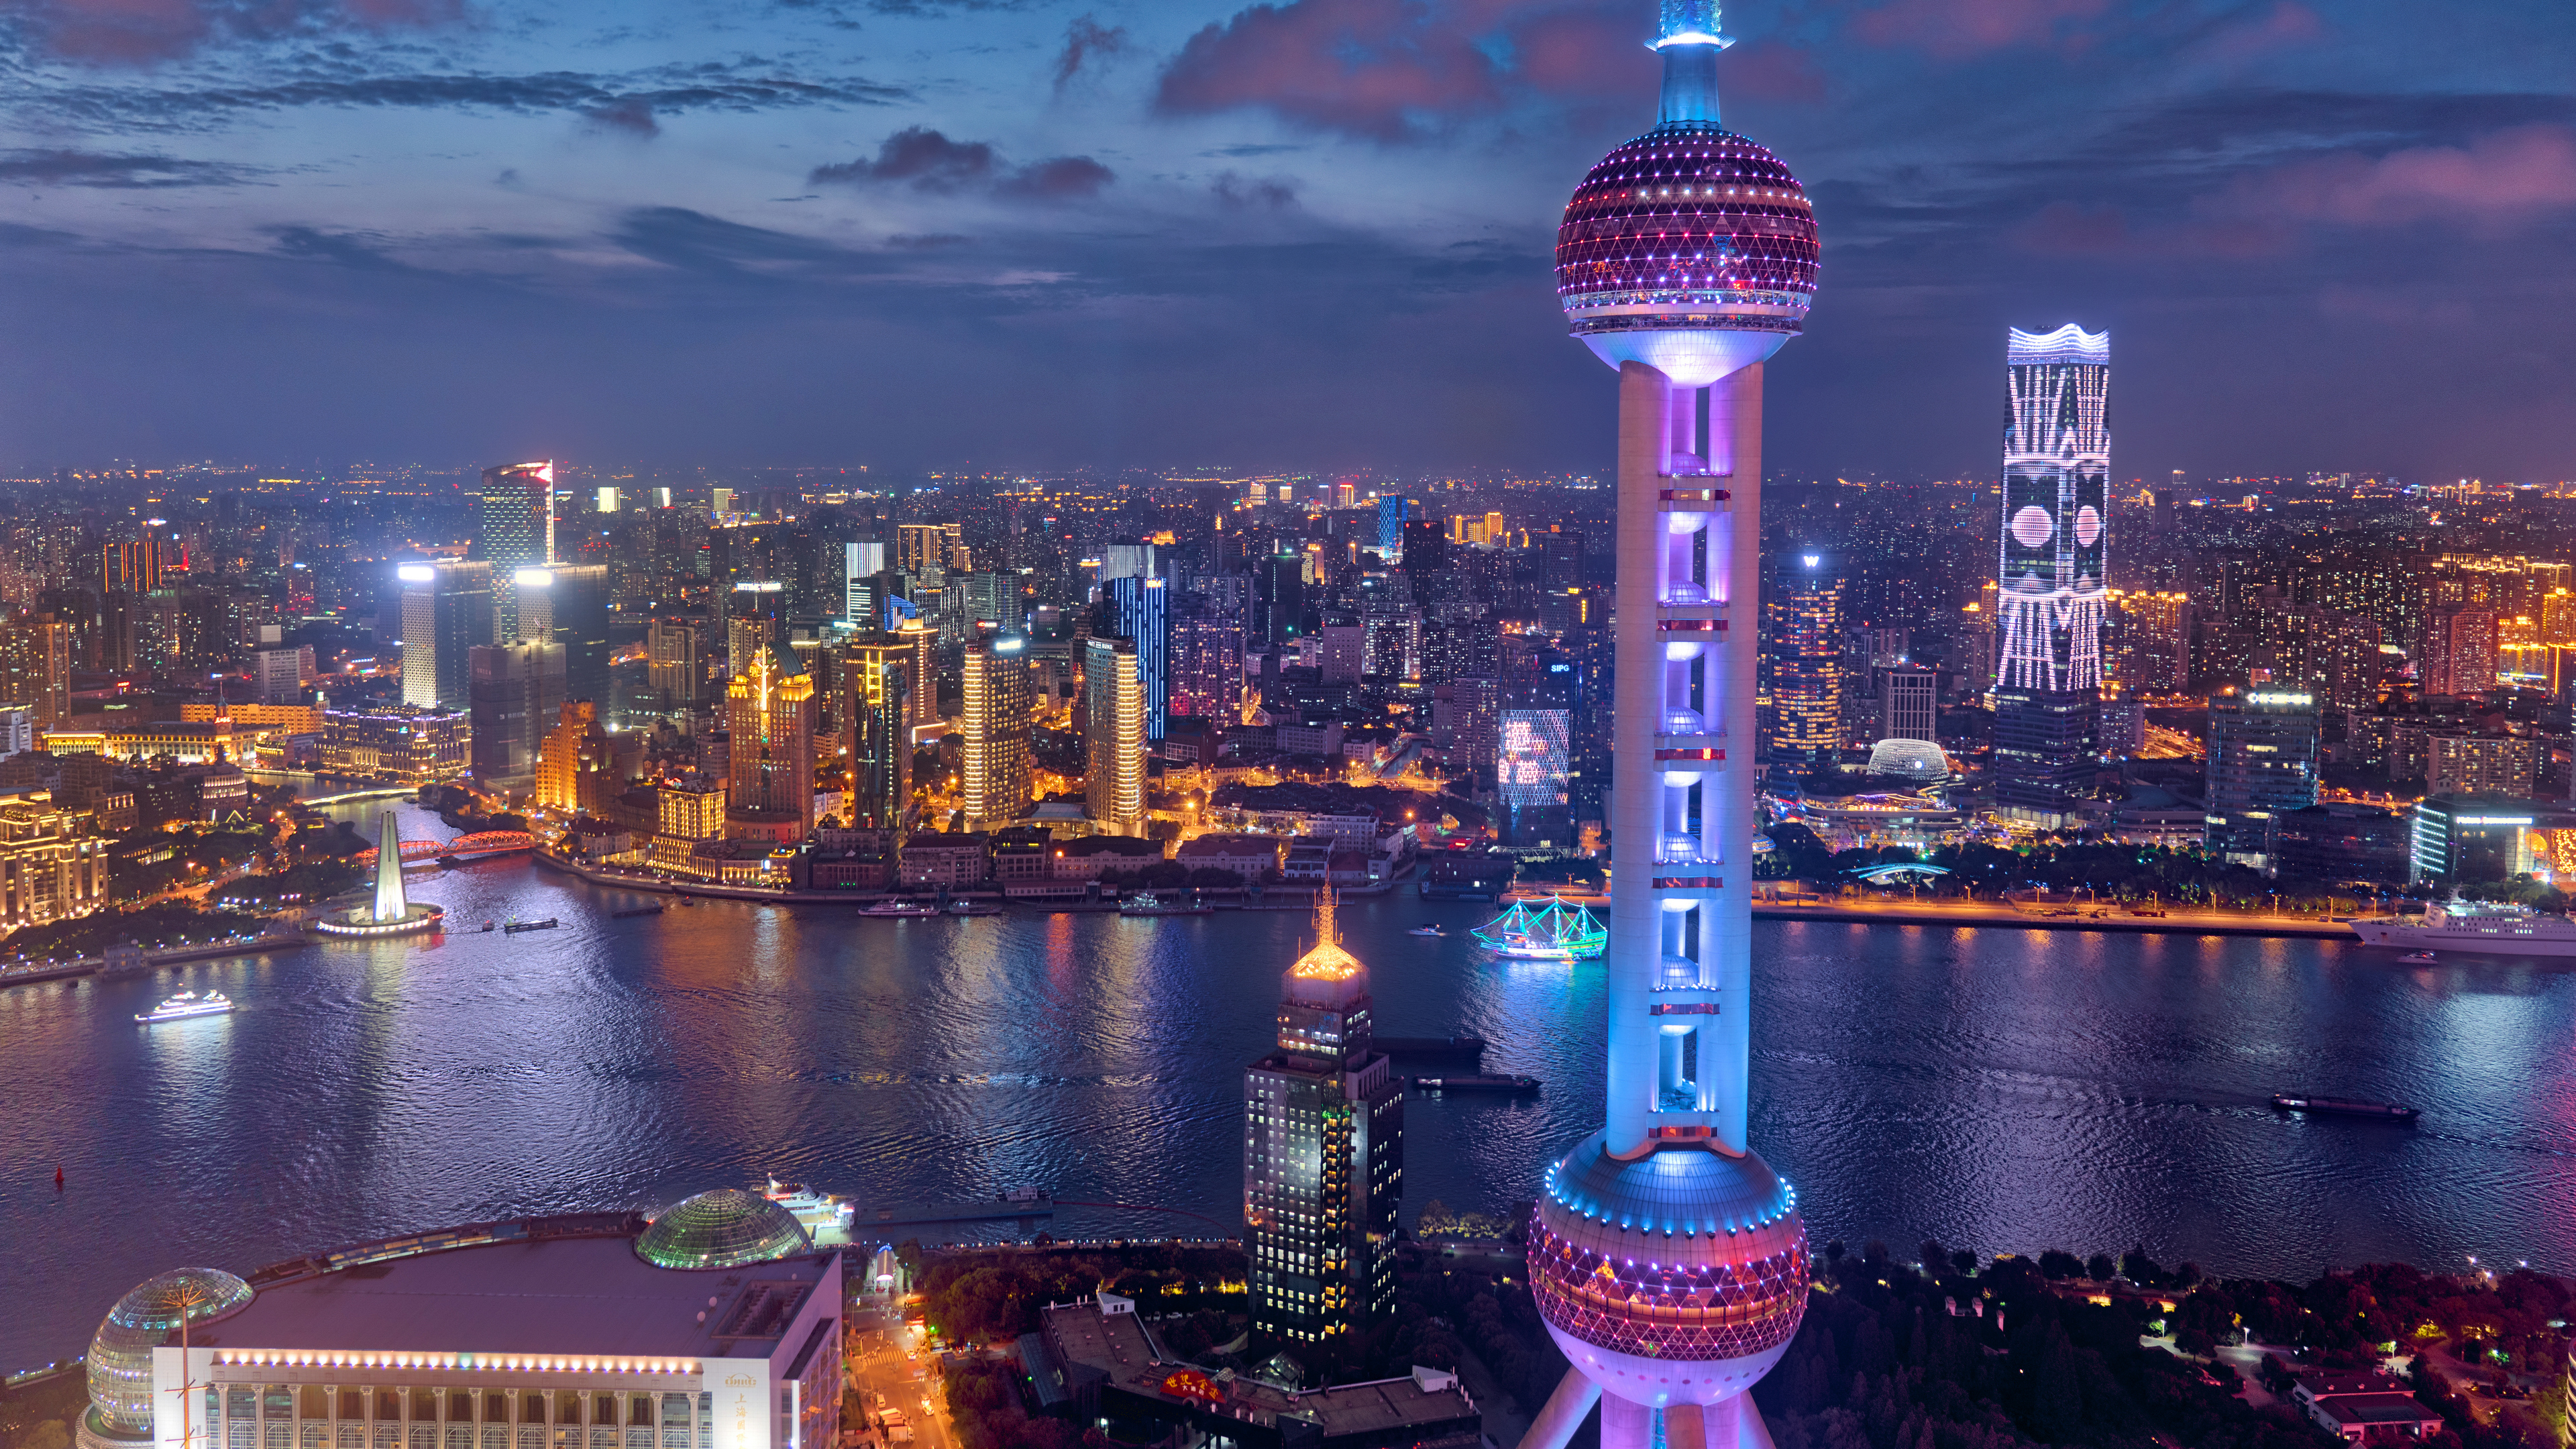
column 86, row 168
column 631, row 116
column 1086, row 40
column 927, row 160
column 338, row 248
column 145, row 32
column 663, row 91
column 1236, row 192
column 934, row 241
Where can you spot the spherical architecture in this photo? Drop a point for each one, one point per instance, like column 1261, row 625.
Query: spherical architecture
column 1676, row 1278
column 725, row 1228
column 1909, row 759
column 120, row 1355
column 1690, row 249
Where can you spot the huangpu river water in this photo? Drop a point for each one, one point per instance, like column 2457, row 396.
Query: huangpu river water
column 1996, row 1089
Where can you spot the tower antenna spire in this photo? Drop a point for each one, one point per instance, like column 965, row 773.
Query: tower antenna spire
column 1688, row 35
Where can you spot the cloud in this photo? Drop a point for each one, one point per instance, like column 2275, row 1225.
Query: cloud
column 2287, row 25
column 145, row 32
column 929, row 161
column 1254, row 193
column 2495, row 182
column 667, row 90
column 1955, row 29
column 87, row 168
column 934, row 241
column 630, row 115
column 1384, row 69
column 1085, row 41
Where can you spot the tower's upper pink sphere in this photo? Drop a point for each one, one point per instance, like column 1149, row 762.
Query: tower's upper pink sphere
column 1688, row 226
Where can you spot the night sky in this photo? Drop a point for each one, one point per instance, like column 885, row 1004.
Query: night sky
column 1306, row 234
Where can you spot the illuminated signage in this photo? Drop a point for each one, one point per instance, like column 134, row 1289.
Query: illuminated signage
column 534, row 578
column 416, row 573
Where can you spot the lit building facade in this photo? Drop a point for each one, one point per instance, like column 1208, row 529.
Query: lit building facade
column 1803, row 615
column 1323, row 1155
column 877, row 673
column 1114, row 711
column 2154, row 632
column 2263, row 746
column 769, row 777
column 36, row 668
column 1530, row 773
column 446, row 611
column 514, row 529
column 996, row 781
column 676, row 664
column 1668, row 1262
column 411, row 745
column 2055, row 534
column 573, row 761
column 2458, row 653
column 53, row 866
column 1143, row 607
column 516, row 691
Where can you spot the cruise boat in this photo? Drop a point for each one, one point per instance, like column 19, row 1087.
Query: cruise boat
column 816, row 1209
column 907, row 910
column 1149, row 904
column 2501, row 930
column 185, row 1005
column 1557, row 931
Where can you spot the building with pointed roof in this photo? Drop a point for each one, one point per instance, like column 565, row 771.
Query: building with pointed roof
column 1323, row 1154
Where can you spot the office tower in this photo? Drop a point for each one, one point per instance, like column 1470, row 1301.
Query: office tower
column 769, row 773
column 446, row 611
column 278, row 674
column 1803, row 621
column 1667, row 1260
column 1279, row 592
column 1909, row 703
column 989, row 598
column 1532, row 759
column 2057, row 458
column 1323, row 1155
column 514, row 692
column 996, row 775
column 2458, row 653
column 579, row 596
column 132, row 568
column 1466, row 724
column 1344, row 651
column 1207, row 653
column 921, row 547
column 513, row 530
column 2262, row 761
column 36, row 668
column 1425, row 546
column 1142, row 609
column 720, row 502
column 863, row 562
column 1391, row 515
column 1113, row 739
column 573, row 760
column 755, row 625
column 1125, row 561
column 878, row 680
column 675, row 663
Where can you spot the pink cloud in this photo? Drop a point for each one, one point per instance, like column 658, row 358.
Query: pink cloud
column 2286, row 25
column 1374, row 67
column 2497, row 181
column 141, row 32
column 1953, row 29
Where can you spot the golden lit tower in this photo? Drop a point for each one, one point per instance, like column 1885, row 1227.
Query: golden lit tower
column 769, row 779
column 997, row 778
column 1113, row 736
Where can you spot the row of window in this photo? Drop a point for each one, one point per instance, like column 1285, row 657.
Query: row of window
column 456, row 1406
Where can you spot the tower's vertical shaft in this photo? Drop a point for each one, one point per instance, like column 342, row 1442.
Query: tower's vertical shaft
column 1636, row 803
column 390, row 904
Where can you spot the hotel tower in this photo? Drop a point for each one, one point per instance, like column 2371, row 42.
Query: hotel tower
column 1669, row 1263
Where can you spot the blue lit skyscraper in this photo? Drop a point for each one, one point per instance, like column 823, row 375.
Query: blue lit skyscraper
column 1142, row 610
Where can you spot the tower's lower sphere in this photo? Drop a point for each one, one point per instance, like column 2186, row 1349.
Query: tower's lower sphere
column 1676, row 1278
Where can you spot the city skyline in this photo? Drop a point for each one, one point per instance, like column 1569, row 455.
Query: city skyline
column 799, row 235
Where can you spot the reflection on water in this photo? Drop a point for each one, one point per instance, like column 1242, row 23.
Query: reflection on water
column 1994, row 1089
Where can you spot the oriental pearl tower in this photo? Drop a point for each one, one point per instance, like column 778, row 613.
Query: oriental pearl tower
column 1669, row 1262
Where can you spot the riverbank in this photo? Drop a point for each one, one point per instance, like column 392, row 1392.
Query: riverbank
column 1273, row 898
column 93, row 965
column 1974, row 913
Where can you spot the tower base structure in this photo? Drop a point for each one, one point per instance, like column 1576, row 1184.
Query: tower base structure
column 1734, row 1423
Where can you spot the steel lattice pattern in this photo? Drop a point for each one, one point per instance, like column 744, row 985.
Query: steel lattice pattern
column 1696, row 1311
column 1691, row 216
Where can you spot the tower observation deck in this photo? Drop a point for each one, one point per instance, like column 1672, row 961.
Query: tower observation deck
column 1669, row 1262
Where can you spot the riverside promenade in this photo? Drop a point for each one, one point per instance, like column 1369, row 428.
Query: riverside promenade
column 1997, row 916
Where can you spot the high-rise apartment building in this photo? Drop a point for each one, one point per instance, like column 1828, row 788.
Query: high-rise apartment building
column 36, row 668
column 1909, row 703
column 920, row 548
column 1207, row 652
column 2055, row 527
column 446, row 611
column 278, row 674
column 2263, row 746
column 769, row 773
column 1141, row 608
column 1803, row 613
column 996, row 776
column 1323, row 1155
column 2153, row 630
column 2457, row 655
column 675, row 664
column 514, row 529
column 515, row 692
column 1113, row 692
column 878, row 681
column 863, row 562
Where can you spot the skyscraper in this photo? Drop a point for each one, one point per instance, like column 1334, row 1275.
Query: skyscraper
column 2262, row 762
column 1142, row 608
column 1113, row 690
column 36, row 668
column 2055, row 522
column 2458, row 653
column 446, row 611
column 514, row 530
column 513, row 697
column 769, row 774
column 571, row 761
column 578, row 598
column 1803, row 619
column 996, row 782
column 877, row 673
column 1668, row 1261
column 676, row 664
column 1323, row 1154
column 862, row 562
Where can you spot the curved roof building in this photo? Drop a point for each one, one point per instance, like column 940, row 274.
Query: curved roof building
column 726, row 1228
column 121, row 1394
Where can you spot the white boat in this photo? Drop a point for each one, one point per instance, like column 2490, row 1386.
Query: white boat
column 815, row 1209
column 908, row 910
column 185, row 1005
column 1427, row 929
column 2499, row 930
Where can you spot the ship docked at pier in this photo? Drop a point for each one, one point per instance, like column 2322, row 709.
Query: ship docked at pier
column 2489, row 929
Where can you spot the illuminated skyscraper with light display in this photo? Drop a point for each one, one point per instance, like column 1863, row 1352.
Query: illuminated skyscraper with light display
column 1669, row 1262
column 2049, row 603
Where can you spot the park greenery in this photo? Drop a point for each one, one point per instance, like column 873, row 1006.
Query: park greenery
column 2112, row 871
column 161, row 926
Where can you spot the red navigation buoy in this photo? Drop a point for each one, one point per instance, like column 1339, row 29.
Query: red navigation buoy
column 58, row 1178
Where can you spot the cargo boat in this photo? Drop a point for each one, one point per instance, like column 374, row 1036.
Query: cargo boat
column 654, row 910
column 515, row 927
column 2343, row 1107
column 1508, row 1083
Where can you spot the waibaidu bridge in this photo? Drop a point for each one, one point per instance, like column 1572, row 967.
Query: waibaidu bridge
column 478, row 846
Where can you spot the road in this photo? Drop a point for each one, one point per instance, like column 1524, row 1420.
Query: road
column 882, row 1355
column 2092, row 918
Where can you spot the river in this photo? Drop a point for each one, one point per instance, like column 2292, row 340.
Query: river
column 1996, row 1089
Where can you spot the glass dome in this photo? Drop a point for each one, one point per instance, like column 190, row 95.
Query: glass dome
column 725, row 1228
column 1909, row 759
column 120, row 1356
